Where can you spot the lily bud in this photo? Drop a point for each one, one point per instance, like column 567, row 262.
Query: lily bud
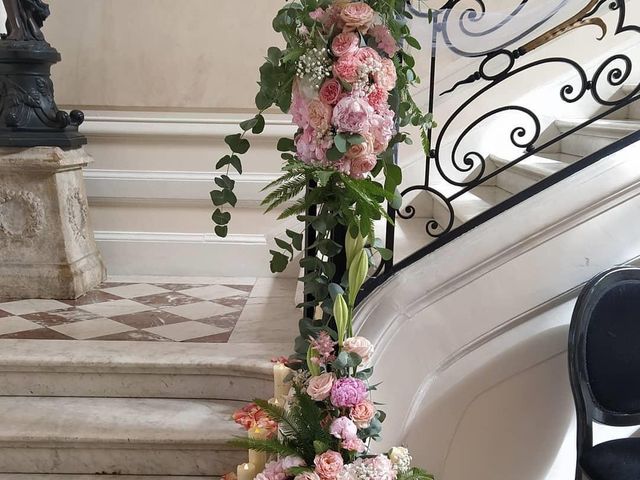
column 341, row 315
column 358, row 274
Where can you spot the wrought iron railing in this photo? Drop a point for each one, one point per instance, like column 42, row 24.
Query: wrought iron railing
column 460, row 169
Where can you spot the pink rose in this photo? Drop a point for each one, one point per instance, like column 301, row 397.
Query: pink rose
column 357, row 16
column 387, row 76
column 353, row 444
column 362, row 165
column 319, row 387
column 349, row 391
column 352, row 115
column 368, row 56
column 378, row 98
column 360, row 346
column 343, row 428
column 319, row 115
column 345, row 43
column 330, row 91
column 347, row 68
column 329, row 465
column 385, row 40
column 363, row 413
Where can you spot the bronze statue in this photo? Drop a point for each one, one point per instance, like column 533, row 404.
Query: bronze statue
column 25, row 18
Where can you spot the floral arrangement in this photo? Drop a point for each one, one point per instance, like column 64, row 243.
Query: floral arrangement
column 345, row 78
column 321, row 428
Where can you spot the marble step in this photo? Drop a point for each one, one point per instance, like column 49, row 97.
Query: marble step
column 594, row 137
column 58, row 368
column 115, row 436
column 468, row 205
column 526, row 173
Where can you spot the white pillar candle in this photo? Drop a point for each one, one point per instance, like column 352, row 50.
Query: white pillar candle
column 246, row 471
column 258, row 459
column 282, row 386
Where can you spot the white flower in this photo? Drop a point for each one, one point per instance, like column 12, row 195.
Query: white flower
column 401, row 459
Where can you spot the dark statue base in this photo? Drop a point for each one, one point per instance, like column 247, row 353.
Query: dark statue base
column 29, row 116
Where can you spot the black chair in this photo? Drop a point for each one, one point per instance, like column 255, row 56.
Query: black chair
column 604, row 366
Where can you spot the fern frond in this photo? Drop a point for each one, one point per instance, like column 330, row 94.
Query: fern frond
column 299, row 207
column 285, row 192
column 287, row 424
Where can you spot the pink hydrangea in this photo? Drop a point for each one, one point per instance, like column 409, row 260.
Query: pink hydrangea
column 352, row 114
column 353, row 444
column 272, row 471
column 348, row 392
column 386, row 77
column 381, row 128
column 317, row 14
column 299, row 107
column 385, row 40
column 343, row 428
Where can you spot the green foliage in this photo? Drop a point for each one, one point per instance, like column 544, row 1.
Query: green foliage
column 416, row 474
column 301, row 429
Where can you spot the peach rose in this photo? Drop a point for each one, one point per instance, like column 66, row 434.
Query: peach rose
column 320, row 387
column 347, row 68
column 359, row 345
column 328, row 465
column 331, row 91
column 345, row 43
column 363, row 413
column 362, row 165
column 319, row 115
column 357, row 16
column 361, row 149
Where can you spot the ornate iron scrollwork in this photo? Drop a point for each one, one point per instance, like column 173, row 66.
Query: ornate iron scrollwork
column 464, row 168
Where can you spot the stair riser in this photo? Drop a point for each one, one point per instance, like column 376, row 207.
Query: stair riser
column 210, row 387
column 513, row 182
column 103, row 459
column 584, row 145
column 634, row 110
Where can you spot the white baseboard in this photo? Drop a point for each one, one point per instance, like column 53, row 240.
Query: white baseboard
column 115, row 186
column 183, row 254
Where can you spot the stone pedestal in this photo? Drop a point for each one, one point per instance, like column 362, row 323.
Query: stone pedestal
column 47, row 248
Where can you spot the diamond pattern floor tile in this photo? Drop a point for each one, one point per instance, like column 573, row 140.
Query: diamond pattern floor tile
column 137, row 312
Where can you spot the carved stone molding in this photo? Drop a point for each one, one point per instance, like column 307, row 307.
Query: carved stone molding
column 21, row 215
column 77, row 212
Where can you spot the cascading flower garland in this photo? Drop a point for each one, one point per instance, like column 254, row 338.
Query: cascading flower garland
column 345, row 78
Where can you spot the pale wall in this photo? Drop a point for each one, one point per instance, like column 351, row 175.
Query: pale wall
column 161, row 54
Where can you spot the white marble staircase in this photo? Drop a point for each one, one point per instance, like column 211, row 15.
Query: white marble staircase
column 81, row 410
column 411, row 233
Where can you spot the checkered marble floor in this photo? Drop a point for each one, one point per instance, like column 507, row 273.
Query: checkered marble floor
column 160, row 312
